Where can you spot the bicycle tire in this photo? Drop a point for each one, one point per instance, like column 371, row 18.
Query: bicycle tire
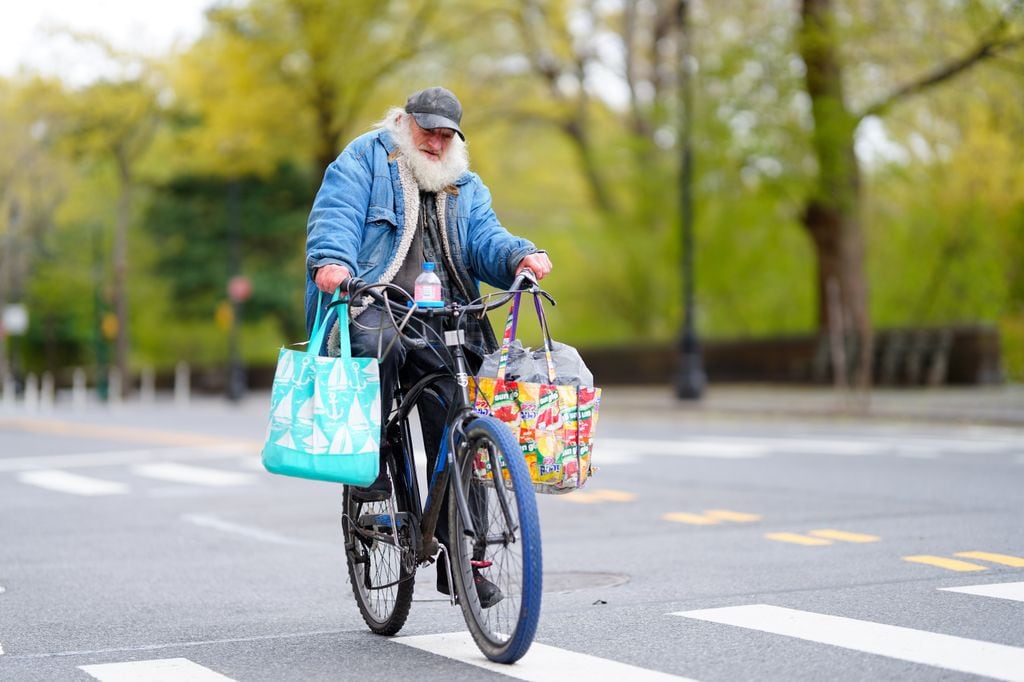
column 382, row 572
column 510, row 557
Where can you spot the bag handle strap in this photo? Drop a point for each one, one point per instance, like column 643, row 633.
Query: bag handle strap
column 316, row 337
column 512, row 324
column 548, row 347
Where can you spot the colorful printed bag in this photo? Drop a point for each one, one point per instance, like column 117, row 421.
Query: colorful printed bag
column 554, row 424
column 325, row 412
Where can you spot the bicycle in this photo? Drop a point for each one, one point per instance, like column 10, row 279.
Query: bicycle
column 494, row 528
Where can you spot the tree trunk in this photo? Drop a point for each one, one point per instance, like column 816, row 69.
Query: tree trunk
column 832, row 215
column 120, row 295
column 326, row 140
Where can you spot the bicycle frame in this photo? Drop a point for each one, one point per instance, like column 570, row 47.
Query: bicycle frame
column 453, row 448
column 452, row 452
column 493, row 557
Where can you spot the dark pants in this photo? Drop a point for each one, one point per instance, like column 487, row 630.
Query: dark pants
column 408, row 366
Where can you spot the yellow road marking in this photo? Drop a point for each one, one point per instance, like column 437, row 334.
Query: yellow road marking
column 119, row 433
column 797, row 539
column 943, row 562
column 693, row 519
column 728, row 515
column 843, row 535
column 1004, row 559
column 596, row 496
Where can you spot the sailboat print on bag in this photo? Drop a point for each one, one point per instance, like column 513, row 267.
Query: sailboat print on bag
column 342, row 440
column 285, row 440
column 285, row 367
column 319, row 441
column 357, row 418
column 281, row 417
column 337, row 379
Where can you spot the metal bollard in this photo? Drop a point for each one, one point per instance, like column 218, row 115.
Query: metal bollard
column 46, row 392
column 147, row 386
column 181, row 384
column 31, row 396
column 78, row 389
column 114, row 387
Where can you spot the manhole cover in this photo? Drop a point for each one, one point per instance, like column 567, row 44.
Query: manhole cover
column 575, row 581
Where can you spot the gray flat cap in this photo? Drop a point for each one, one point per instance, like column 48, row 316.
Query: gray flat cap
column 436, row 108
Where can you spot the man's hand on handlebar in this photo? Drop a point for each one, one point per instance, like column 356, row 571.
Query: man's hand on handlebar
column 329, row 277
column 538, row 263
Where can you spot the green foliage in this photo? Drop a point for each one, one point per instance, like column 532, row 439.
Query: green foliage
column 190, row 222
column 70, row 288
column 582, row 157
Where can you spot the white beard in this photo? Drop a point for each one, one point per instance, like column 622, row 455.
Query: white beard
column 430, row 175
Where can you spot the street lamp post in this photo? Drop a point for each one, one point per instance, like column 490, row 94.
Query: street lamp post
column 238, row 290
column 690, row 376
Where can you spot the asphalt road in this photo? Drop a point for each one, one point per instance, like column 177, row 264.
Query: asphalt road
column 148, row 544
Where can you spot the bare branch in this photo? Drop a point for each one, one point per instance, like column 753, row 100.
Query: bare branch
column 993, row 44
column 531, row 19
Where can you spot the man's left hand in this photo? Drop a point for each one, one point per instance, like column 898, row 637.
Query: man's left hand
column 538, row 262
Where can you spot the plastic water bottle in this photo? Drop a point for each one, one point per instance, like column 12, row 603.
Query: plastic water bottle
column 428, row 288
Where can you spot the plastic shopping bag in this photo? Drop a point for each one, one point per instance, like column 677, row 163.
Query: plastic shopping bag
column 553, row 421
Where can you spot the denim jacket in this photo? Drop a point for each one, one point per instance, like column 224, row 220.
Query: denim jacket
column 365, row 215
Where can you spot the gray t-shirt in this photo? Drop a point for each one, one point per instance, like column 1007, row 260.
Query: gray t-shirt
column 427, row 246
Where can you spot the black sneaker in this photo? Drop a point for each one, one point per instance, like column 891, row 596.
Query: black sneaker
column 488, row 593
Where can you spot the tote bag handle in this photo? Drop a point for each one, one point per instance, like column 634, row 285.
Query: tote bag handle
column 316, row 337
column 512, row 324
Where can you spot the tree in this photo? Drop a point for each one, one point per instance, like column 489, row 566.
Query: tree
column 193, row 260
column 276, row 80
column 32, row 184
column 115, row 122
column 832, row 212
column 623, row 153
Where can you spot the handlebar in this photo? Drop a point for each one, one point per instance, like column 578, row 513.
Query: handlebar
column 401, row 311
column 354, row 289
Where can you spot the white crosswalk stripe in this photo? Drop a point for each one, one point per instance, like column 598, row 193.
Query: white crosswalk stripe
column 622, row 451
column 541, row 663
column 74, row 484
column 114, row 482
column 959, row 654
column 544, row 663
column 185, row 473
column 1012, row 591
column 157, row 670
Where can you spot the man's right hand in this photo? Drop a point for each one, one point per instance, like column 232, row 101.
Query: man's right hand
column 329, row 277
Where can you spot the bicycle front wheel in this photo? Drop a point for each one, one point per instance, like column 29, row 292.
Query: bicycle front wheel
column 497, row 568
column 378, row 548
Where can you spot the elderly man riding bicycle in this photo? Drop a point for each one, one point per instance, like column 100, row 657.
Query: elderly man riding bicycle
column 397, row 197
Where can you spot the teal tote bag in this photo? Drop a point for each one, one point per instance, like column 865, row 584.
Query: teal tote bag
column 325, row 412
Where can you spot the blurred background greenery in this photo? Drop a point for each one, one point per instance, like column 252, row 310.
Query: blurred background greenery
column 867, row 145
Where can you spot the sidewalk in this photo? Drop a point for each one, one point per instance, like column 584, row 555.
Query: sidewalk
column 988, row 405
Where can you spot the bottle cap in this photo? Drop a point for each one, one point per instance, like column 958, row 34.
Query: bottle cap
column 428, row 266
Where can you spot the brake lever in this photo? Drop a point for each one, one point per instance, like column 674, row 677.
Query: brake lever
column 530, row 276
column 353, row 284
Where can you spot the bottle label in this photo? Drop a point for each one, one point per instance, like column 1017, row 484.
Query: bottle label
column 428, row 293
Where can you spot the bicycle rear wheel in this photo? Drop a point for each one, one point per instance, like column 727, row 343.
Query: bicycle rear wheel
column 378, row 549
column 505, row 548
